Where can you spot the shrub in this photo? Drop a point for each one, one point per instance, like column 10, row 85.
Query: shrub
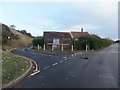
column 4, row 41
column 38, row 40
column 94, row 42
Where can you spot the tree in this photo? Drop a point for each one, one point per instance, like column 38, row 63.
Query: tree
column 12, row 26
column 38, row 40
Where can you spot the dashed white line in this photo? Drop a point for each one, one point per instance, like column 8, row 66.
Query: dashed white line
column 48, row 55
column 61, row 61
column 54, row 64
column 46, row 67
column 64, row 57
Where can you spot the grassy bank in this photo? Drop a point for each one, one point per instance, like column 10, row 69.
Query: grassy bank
column 0, row 76
column 21, row 40
column 12, row 67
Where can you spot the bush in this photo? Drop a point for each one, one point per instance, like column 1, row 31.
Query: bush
column 81, row 43
column 4, row 41
column 94, row 42
column 38, row 40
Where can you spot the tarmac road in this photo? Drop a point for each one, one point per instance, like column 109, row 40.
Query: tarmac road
column 72, row 70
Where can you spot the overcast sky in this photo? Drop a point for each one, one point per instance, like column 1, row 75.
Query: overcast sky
column 97, row 17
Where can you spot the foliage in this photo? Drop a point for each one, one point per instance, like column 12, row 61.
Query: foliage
column 25, row 33
column 4, row 40
column 38, row 40
column 12, row 26
column 94, row 42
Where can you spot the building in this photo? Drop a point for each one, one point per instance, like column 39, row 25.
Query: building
column 59, row 39
column 76, row 35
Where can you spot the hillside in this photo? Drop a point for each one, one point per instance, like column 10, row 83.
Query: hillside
column 12, row 38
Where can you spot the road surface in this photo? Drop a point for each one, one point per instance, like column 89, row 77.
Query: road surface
column 71, row 70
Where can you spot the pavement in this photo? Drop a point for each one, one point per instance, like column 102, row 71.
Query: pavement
column 72, row 70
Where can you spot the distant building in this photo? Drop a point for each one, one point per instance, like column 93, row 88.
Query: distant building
column 57, row 39
column 76, row 35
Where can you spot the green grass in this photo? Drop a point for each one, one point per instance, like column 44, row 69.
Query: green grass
column 12, row 67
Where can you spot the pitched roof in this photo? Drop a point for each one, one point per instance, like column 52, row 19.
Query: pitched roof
column 78, row 34
column 54, row 34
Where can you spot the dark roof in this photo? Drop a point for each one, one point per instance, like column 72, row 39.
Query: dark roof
column 53, row 34
column 78, row 34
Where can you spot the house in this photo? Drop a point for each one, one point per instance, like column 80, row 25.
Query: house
column 76, row 35
column 59, row 39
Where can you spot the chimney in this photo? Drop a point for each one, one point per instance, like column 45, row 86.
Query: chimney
column 81, row 29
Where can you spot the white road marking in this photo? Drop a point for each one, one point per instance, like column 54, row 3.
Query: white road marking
column 61, row 61
column 48, row 55
column 72, row 55
column 76, row 54
column 54, row 64
column 64, row 57
column 23, row 49
column 46, row 67
column 34, row 73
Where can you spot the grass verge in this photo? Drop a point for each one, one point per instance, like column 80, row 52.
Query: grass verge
column 13, row 66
